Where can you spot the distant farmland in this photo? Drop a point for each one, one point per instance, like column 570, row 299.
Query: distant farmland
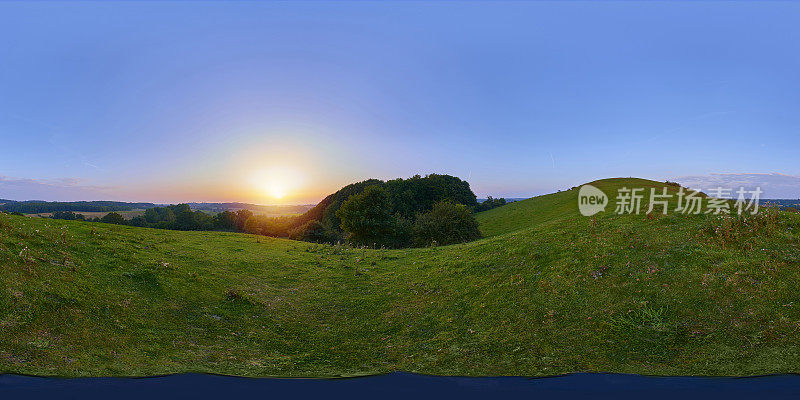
column 98, row 214
column 269, row 211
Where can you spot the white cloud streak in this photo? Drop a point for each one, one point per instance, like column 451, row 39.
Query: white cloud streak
column 774, row 185
column 60, row 189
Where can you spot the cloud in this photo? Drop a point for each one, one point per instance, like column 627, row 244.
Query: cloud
column 60, row 189
column 774, row 185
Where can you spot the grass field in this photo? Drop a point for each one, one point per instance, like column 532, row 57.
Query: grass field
column 546, row 292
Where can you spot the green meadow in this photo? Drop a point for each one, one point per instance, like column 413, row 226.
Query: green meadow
column 546, row 291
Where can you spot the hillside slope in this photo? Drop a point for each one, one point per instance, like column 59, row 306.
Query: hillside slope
column 551, row 208
column 540, row 296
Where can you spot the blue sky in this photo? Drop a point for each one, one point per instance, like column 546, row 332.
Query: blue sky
column 171, row 102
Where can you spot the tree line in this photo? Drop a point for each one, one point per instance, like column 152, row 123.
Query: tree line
column 490, row 203
column 418, row 211
column 36, row 207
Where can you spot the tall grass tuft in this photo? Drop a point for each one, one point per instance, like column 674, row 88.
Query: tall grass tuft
column 733, row 228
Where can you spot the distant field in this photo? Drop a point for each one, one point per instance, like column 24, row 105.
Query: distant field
column 271, row 214
column 274, row 211
column 280, row 211
column 96, row 214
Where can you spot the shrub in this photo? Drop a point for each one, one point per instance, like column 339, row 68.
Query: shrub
column 68, row 215
column 225, row 220
column 446, row 223
column 241, row 217
column 311, row 231
column 113, row 218
column 367, row 217
column 408, row 197
column 139, row 221
column 252, row 225
column 276, row 226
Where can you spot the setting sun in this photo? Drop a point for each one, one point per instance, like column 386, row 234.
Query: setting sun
column 275, row 182
column 277, row 192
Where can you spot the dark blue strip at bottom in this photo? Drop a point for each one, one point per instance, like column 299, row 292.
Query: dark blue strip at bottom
column 402, row 386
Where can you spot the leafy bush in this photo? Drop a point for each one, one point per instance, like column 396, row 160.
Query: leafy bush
column 268, row 226
column 418, row 194
column 446, row 223
column 367, row 218
column 113, row 218
column 408, row 197
column 241, row 217
column 311, row 231
column 253, row 226
column 225, row 220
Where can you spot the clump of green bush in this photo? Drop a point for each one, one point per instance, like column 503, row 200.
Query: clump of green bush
column 311, row 231
column 367, row 220
column 447, row 223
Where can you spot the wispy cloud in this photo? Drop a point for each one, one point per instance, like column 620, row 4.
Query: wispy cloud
column 50, row 189
column 58, row 139
column 774, row 185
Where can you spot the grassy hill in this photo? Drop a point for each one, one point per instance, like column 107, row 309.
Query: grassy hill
column 551, row 208
column 546, row 292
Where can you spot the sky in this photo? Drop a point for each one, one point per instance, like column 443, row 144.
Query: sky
column 285, row 102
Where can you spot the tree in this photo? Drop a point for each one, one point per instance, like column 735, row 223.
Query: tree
column 68, row 215
column 162, row 217
column 446, row 223
column 151, row 215
column 202, row 221
column 241, row 217
column 367, row 217
column 311, row 231
column 139, row 221
column 225, row 220
column 276, row 226
column 418, row 194
column 252, row 225
column 113, row 218
column 184, row 217
column 491, row 203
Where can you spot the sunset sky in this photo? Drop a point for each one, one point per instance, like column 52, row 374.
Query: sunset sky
column 285, row 102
